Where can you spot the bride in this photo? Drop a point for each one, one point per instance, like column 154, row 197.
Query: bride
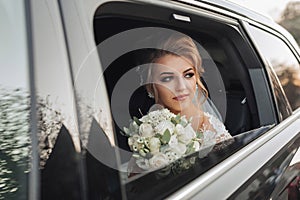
column 173, row 80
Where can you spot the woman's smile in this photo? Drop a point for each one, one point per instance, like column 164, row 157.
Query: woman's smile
column 181, row 97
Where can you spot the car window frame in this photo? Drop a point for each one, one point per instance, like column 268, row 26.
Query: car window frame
column 262, row 76
column 268, row 68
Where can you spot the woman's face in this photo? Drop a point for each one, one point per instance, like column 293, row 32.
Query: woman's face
column 174, row 83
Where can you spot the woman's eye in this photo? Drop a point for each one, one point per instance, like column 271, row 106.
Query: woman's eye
column 166, row 79
column 189, row 75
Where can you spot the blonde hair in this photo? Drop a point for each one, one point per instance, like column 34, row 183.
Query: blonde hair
column 179, row 45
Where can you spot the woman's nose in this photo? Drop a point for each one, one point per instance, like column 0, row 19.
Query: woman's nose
column 180, row 84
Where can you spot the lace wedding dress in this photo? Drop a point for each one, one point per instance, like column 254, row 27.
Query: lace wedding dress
column 218, row 134
column 214, row 134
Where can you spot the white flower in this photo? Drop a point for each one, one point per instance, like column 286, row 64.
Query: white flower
column 188, row 135
column 179, row 129
column 143, row 163
column 180, row 149
column 154, row 145
column 196, row 145
column 146, row 130
column 158, row 160
column 151, row 139
column 173, row 141
column 163, row 126
column 133, row 129
column 172, row 156
column 131, row 141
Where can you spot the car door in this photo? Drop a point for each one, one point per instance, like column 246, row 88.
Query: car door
column 279, row 178
column 266, row 133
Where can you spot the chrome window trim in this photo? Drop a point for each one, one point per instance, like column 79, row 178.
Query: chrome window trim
column 230, row 167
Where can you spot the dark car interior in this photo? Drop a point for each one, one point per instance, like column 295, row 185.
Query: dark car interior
column 240, row 115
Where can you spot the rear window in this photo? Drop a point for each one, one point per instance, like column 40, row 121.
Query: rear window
column 283, row 61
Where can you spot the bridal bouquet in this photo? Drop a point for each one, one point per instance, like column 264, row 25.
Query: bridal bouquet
column 161, row 137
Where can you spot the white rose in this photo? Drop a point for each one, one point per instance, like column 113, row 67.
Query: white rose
column 132, row 142
column 173, row 141
column 179, row 129
column 188, row 135
column 190, row 131
column 158, row 160
column 179, row 149
column 154, row 145
column 146, row 130
column 163, row 126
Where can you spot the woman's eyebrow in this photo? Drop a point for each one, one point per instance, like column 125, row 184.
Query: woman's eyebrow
column 187, row 70
column 166, row 73
column 171, row 73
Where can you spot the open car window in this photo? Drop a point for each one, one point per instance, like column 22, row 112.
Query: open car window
column 230, row 70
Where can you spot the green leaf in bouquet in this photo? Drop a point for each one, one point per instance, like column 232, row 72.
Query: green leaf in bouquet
column 166, row 137
column 184, row 123
column 190, row 148
column 137, row 121
column 199, row 134
column 173, row 120
column 176, row 120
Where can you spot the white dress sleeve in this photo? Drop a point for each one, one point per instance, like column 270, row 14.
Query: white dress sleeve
column 218, row 134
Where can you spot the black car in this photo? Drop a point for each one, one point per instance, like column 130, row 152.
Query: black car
column 68, row 86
